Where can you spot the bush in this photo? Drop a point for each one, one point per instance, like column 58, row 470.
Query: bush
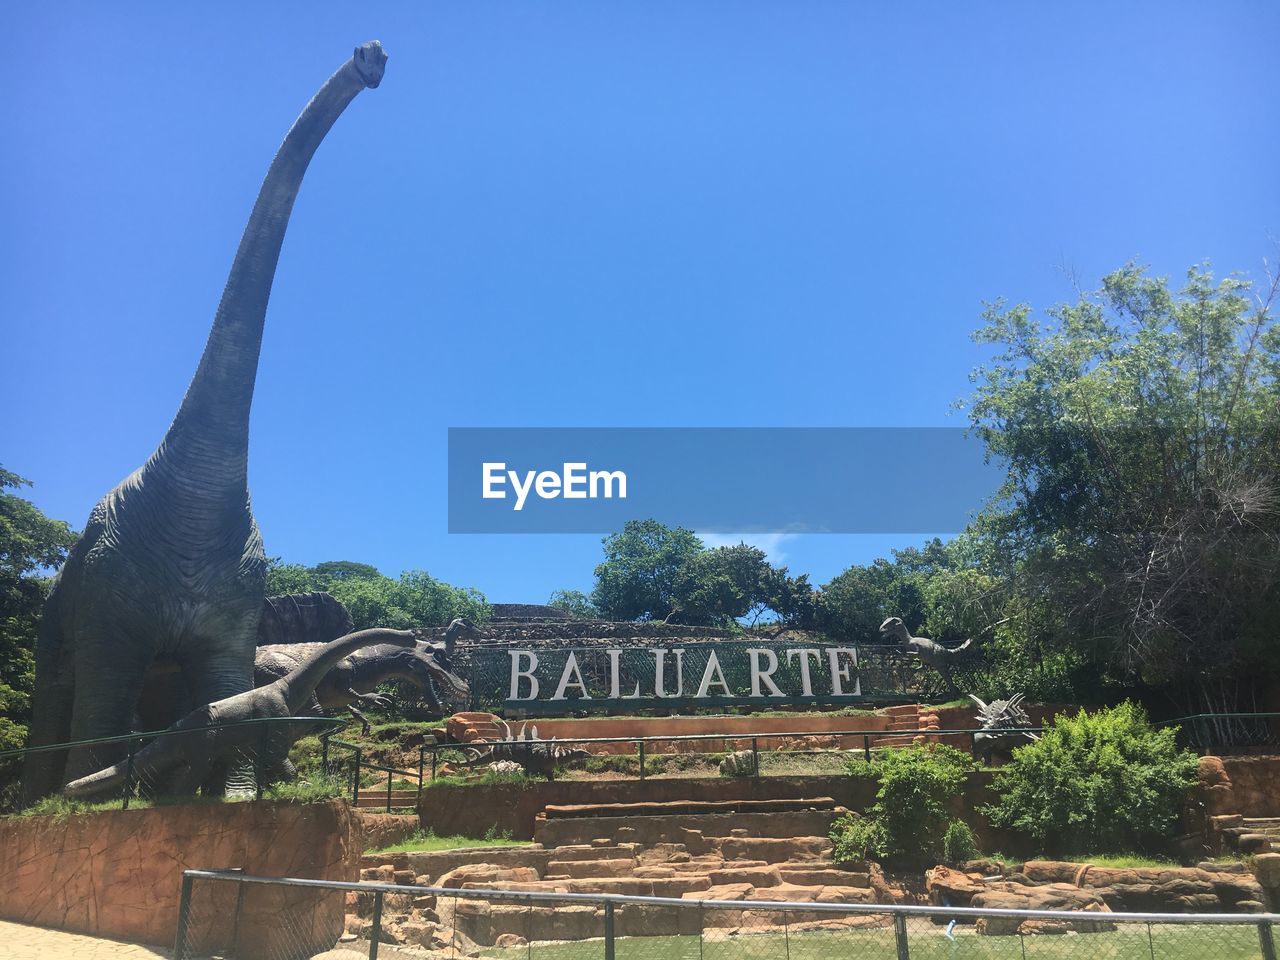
column 959, row 843
column 1102, row 782
column 909, row 819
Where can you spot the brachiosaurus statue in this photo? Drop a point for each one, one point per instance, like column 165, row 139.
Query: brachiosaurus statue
column 171, row 564
column 210, row 742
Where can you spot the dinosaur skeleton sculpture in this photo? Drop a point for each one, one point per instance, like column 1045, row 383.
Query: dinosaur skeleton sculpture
column 1005, row 716
column 930, row 652
column 525, row 749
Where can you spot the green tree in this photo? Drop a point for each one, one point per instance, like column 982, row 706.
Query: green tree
column 1141, row 429
column 574, row 602
column 640, row 576
column 415, row 599
column 30, row 543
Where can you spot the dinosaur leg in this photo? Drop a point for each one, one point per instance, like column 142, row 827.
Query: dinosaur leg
column 110, row 667
column 215, row 674
column 50, row 723
column 364, row 721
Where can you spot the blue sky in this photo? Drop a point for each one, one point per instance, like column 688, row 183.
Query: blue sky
column 587, row 214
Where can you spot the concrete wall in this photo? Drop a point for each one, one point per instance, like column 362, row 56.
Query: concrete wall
column 118, row 873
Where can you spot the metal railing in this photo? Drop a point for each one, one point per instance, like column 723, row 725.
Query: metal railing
column 352, row 766
column 138, row 782
column 646, row 756
column 229, row 914
column 1228, row 733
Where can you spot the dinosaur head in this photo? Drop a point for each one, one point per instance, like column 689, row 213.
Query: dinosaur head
column 370, row 60
column 895, row 628
column 425, row 665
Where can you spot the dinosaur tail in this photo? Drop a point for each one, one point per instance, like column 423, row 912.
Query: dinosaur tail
column 301, row 682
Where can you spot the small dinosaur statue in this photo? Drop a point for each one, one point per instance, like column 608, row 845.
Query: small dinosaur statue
column 1006, row 716
column 351, row 682
column 540, row 758
column 929, row 651
column 196, row 755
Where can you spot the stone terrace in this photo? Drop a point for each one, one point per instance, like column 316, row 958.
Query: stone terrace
column 689, row 851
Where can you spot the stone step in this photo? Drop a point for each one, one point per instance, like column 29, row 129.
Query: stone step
column 774, row 849
column 683, row 807
column 586, row 851
column 699, row 833
column 807, row 876
column 575, row 869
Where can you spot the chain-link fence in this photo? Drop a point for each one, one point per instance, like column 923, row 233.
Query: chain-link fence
column 240, row 759
column 226, row 914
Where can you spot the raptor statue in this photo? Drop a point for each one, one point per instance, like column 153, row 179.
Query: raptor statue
column 930, row 652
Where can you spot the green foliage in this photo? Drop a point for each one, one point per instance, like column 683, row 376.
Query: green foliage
column 855, row 839
column 426, row 840
column 311, row 789
column 641, row 569
column 909, row 819
column 959, row 843
column 1107, row 781
column 1139, row 524
column 575, row 603
column 654, row 572
column 30, row 543
column 416, row 599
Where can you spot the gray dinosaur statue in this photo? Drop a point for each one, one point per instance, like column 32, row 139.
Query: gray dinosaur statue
column 1009, row 718
column 536, row 757
column 351, row 681
column 190, row 759
column 930, row 652
column 315, row 617
column 170, row 564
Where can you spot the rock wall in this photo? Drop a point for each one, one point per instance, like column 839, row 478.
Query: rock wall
column 471, row 811
column 383, row 829
column 118, row 873
column 1254, row 785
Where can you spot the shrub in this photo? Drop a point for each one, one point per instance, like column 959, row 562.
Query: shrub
column 1105, row 782
column 959, row 843
column 909, row 819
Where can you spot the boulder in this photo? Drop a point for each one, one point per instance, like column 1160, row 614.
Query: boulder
column 951, row 888
column 1266, row 867
column 762, row 876
column 485, row 873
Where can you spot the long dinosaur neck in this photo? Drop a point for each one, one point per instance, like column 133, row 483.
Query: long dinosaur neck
column 209, row 438
column 301, row 682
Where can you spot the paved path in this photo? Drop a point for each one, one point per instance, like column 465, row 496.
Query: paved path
column 20, row 942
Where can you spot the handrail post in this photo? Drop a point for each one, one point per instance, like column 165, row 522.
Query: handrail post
column 375, row 929
column 866, row 748
column 640, row 745
column 755, row 757
column 1266, row 941
column 324, row 752
column 355, row 778
column 184, row 918
column 422, row 762
column 389, row 775
column 609, row 946
column 900, row 936
column 435, row 756
column 128, row 777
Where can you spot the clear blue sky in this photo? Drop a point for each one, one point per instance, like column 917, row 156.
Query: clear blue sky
column 595, row 214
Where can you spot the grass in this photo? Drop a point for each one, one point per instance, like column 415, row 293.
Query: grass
column 926, row 942
column 427, row 840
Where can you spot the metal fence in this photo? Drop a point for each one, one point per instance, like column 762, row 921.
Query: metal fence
column 230, row 915
column 244, row 758
column 761, row 754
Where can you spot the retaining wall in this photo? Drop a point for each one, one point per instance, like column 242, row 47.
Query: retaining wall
column 117, row 873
